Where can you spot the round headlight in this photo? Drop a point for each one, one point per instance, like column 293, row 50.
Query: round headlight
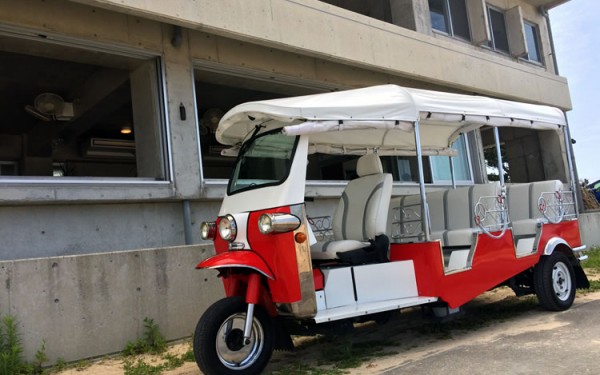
column 227, row 228
column 265, row 224
column 208, row 229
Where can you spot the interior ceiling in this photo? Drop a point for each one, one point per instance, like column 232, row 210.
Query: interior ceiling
column 29, row 68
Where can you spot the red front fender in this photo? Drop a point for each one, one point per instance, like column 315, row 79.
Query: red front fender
column 241, row 259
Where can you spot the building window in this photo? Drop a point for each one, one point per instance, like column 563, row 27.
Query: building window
column 450, row 17
column 440, row 165
column 533, row 44
column 79, row 112
column 498, row 30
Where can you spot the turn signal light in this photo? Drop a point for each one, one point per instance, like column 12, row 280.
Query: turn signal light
column 300, row 237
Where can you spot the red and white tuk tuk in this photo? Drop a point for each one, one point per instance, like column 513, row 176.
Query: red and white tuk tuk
column 439, row 247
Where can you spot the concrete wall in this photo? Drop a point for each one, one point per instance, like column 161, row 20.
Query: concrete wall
column 91, row 305
column 315, row 28
column 589, row 222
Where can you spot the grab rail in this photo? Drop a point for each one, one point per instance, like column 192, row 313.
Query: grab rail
column 557, row 206
column 491, row 215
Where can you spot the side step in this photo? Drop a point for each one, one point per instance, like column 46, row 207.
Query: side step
column 361, row 309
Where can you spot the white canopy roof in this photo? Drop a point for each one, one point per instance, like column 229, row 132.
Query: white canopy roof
column 382, row 117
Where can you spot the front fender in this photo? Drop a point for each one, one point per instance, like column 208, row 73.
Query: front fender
column 238, row 259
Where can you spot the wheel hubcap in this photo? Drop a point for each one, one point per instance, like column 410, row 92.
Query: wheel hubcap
column 230, row 342
column 561, row 281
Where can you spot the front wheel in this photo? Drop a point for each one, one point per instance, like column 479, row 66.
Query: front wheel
column 219, row 345
column 554, row 282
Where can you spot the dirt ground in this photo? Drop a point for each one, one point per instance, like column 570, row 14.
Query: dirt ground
column 408, row 335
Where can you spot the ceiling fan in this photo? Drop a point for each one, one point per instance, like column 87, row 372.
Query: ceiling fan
column 50, row 107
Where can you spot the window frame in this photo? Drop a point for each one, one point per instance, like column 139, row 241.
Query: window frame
column 467, row 149
column 538, row 43
column 163, row 130
column 492, row 42
column 449, row 21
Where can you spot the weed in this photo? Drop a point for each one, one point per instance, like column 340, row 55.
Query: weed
column 11, row 351
column 188, row 356
column 153, row 341
column 141, row 368
column 593, row 261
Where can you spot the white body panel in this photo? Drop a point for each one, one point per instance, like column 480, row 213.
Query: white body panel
column 379, row 287
column 339, row 288
column 384, row 281
column 290, row 192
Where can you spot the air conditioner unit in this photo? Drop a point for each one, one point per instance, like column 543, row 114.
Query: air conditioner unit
column 109, row 148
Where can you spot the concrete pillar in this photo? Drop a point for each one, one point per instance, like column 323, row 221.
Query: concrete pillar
column 184, row 133
column 411, row 14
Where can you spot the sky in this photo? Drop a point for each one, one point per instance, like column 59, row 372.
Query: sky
column 576, row 31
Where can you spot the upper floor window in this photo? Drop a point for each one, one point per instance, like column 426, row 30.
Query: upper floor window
column 450, row 17
column 499, row 41
column 533, row 45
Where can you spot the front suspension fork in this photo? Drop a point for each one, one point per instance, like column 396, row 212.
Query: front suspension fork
column 252, row 297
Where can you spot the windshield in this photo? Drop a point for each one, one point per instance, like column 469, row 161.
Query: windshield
column 263, row 161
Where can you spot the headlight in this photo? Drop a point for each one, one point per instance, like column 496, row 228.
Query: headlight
column 280, row 223
column 227, row 228
column 208, row 229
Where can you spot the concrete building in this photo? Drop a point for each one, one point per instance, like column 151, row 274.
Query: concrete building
column 107, row 136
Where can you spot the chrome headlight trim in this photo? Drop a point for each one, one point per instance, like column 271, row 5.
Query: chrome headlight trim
column 277, row 222
column 228, row 228
column 208, row 230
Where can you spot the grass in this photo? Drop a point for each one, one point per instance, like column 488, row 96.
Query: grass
column 593, row 261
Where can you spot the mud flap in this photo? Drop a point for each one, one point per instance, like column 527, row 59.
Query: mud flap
column 581, row 280
column 283, row 340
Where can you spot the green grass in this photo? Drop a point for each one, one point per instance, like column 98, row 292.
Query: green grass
column 593, row 261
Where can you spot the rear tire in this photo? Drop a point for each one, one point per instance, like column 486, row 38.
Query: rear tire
column 218, row 339
column 554, row 282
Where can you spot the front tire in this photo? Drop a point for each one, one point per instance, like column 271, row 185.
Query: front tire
column 218, row 339
column 554, row 282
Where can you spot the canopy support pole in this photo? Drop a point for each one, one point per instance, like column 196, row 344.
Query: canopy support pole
column 424, row 208
column 573, row 182
column 451, row 161
column 499, row 156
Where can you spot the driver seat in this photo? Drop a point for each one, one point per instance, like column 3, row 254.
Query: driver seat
column 360, row 219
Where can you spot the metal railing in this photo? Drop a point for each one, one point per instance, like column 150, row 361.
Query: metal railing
column 557, row 206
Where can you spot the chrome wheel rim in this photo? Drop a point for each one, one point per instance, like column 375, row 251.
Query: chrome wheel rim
column 231, row 349
column 561, row 281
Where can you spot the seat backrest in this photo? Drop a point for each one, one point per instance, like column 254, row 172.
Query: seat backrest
column 536, row 190
column 518, row 201
column 437, row 219
column 362, row 211
column 457, row 209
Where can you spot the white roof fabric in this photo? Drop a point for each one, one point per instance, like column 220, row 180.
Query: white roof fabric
column 382, row 118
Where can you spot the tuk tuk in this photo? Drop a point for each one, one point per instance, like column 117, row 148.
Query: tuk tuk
column 287, row 272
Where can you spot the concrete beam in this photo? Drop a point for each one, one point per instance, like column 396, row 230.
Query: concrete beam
column 318, row 29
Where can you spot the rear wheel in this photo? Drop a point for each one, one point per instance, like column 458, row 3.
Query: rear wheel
column 554, row 282
column 219, row 345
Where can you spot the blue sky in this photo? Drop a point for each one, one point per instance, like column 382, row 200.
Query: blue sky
column 576, row 29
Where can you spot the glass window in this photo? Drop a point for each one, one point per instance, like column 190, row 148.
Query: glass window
column 533, row 46
column 70, row 111
column 450, row 16
column 440, row 165
column 264, row 161
column 499, row 40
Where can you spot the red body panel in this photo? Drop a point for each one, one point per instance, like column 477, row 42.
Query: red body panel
column 272, row 254
column 239, row 258
column 494, row 262
column 279, row 252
